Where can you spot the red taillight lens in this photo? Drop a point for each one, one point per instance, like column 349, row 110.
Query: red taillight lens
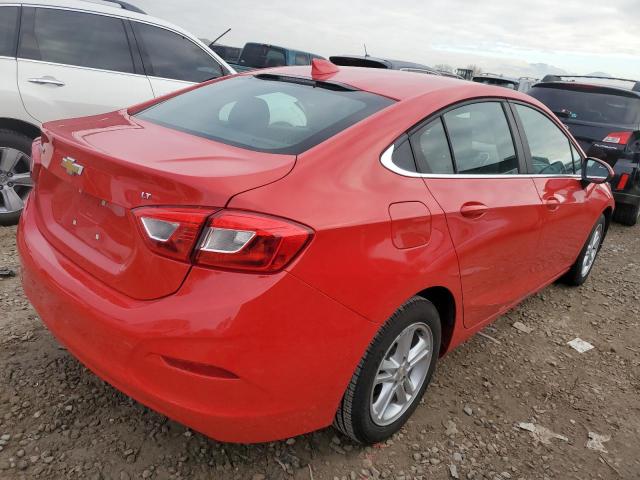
column 36, row 154
column 624, row 178
column 620, row 138
column 171, row 232
column 237, row 240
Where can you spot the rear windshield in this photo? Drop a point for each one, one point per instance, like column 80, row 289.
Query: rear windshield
column 266, row 114
column 501, row 82
column 256, row 55
column 590, row 104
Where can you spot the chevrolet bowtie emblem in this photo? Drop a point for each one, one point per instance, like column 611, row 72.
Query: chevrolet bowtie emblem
column 71, row 167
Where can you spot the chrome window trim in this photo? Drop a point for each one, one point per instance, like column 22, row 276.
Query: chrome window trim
column 80, row 67
column 386, row 159
column 7, row 57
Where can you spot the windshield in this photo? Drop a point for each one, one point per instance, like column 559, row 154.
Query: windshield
column 257, row 55
column 266, row 113
column 590, row 104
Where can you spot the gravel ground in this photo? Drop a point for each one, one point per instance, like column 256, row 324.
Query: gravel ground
column 57, row 420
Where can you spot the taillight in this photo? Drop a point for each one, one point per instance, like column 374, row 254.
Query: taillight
column 621, row 138
column 238, row 240
column 624, row 178
column 37, row 148
column 171, row 231
column 226, row 239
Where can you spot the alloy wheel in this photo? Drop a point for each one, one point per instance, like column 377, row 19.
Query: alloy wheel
column 15, row 179
column 401, row 373
column 592, row 250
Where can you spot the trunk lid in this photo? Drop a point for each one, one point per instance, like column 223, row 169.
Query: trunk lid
column 95, row 170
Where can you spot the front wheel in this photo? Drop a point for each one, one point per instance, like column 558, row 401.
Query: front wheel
column 393, row 374
column 581, row 269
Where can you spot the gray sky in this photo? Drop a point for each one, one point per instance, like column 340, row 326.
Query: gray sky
column 520, row 37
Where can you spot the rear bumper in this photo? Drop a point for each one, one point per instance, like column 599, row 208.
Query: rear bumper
column 292, row 348
column 627, row 198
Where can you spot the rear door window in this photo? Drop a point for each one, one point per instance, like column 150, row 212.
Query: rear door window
column 8, row 30
column 265, row 113
column 432, row 149
column 551, row 150
column 481, row 139
column 173, row 56
column 75, row 38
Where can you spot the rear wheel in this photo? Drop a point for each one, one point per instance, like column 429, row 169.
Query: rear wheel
column 15, row 175
column 627, row 214
column 581, row 269
column 393, row 374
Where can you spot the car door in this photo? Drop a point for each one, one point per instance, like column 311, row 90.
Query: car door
column 74, row 64
column 172, row 61
column 555, row 164
column 472, row 166
column 10, row 103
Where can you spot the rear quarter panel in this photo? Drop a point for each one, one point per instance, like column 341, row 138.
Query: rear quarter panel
column 341, row 190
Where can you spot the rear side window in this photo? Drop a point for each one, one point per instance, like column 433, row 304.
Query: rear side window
column 75, row 38
column 432, row 149
column 481, row 139
column 169, row 55
column 550, row 148
column 265, row 113
column 590, row 104
column 8, row 31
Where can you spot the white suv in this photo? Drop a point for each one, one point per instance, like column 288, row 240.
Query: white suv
column 71, row 58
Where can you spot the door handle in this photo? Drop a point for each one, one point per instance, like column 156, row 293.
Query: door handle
column 552, row 203
column 473, row 209
column 47, row 81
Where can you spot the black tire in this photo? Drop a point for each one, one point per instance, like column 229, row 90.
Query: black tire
column 19, row 141
column 353, row 417
column 627, row 214
column 576, row 276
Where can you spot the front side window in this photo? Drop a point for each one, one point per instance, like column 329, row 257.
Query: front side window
column 577, row 160
column 8, row 30
column 265, row 114
column 172, row 56
column 75, row 38
column 481, row 139
column 550, row 148
column 432, row 149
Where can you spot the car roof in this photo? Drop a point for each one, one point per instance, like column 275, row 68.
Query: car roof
column 401, row 85
column 623, row 86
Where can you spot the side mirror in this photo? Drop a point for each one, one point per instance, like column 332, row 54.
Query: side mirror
column 596, row 171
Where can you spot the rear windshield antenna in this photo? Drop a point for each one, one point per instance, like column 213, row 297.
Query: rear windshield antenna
column 366, row 54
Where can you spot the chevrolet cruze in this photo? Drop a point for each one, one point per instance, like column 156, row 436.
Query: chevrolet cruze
column 268, row 254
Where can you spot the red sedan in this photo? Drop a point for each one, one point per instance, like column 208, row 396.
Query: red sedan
column 268, row 254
